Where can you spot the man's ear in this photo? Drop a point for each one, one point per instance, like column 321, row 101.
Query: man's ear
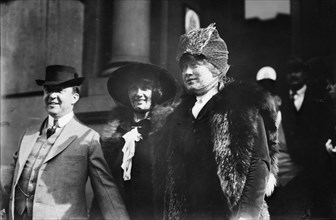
column 75, row 98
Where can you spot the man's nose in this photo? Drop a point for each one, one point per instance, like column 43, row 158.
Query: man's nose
column 52, row 94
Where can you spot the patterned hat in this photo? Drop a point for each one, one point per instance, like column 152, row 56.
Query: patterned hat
column 207, row 42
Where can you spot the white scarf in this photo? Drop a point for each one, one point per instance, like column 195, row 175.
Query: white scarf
column 129, row 149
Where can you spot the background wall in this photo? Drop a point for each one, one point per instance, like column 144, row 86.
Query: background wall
column 34, row 34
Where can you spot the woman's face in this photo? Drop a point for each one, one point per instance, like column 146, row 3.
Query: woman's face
column 197, row 76
column 140, row 95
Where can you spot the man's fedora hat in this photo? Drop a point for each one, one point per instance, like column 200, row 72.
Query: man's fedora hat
column 120, row 80
column 60, row 75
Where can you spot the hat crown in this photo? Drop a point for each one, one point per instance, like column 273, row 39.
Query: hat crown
column 207, row 42
column 124, row 76
column 266, row 72
column 61, row 75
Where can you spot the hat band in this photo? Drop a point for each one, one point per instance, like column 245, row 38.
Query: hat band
column 60, row 76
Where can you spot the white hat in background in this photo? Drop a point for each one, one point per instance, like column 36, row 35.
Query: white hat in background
column 266, row 72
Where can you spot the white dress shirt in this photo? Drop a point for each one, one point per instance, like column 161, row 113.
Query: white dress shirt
column 298, row 97
column 62, row 121
column 202, row 100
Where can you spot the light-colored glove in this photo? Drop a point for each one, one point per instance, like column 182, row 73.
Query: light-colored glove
column 330, row 148
column 3, row 214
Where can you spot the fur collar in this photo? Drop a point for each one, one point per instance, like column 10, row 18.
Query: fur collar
column 233, row 127
column 244, row 100
column 121, row 116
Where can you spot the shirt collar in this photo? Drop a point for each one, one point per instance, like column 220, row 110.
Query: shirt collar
column 300, row 92
column 207, row 96
column 62, row 120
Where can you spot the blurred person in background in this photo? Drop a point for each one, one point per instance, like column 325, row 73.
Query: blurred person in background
column 303, row 161
column 266, row 77
column 324, row 86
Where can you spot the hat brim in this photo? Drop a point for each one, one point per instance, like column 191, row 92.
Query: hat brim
column 73, row 82
column 123, row 77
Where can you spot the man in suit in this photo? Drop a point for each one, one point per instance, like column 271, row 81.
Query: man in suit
column 55, row 159
column 303, row 168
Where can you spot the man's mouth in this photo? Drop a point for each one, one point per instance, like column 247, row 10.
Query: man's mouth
column 294, row 81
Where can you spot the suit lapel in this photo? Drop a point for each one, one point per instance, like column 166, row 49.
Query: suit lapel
column 64, row 139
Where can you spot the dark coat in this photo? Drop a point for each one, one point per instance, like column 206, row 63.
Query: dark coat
column 217, row 165
column 306, row 132
column 137, row 192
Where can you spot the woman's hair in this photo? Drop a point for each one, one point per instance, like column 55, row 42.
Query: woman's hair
column 199, row 59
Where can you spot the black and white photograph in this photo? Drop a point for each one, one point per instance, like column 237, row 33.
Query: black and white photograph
column 168, row 109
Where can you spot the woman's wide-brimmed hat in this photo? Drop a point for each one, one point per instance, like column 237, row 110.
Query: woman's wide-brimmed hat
column 60, row 75
column 123, row 77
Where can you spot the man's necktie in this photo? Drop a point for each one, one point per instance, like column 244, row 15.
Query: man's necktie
column 52, row 130
column 293, row 98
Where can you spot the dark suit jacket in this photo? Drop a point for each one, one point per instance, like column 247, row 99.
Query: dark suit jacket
column 307, row 130
column 60, row 188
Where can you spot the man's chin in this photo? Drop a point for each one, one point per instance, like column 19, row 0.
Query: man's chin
column 52, row 111
column 296, row 86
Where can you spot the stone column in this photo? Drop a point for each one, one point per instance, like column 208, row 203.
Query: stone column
column 130, row 32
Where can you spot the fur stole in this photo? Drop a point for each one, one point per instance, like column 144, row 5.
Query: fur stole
column 233, row 127
column 121, row 116
column 243, row 103
column 234, row 133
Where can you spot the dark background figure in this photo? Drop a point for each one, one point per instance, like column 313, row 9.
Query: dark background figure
column 221, row 139
column 140, row 91
column 267, row 78
column 303, row 161
column 57, row 156
column 320, row 77
column 323, row 84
